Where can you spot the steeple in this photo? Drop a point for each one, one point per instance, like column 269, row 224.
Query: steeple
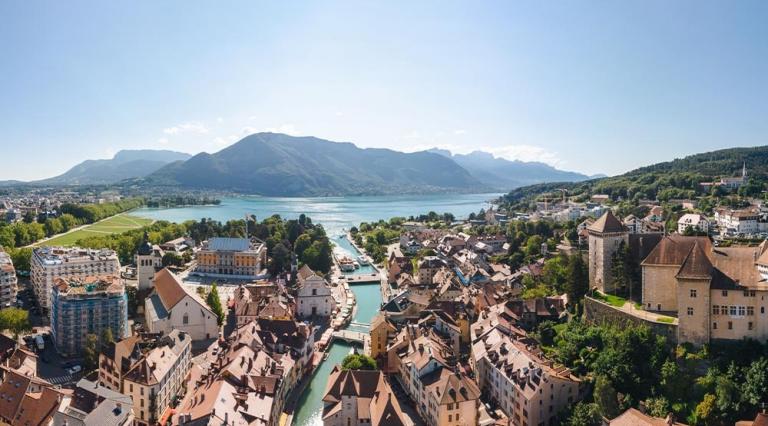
column 744, row 171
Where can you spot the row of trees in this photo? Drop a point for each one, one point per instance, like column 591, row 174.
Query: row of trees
column 33, row 229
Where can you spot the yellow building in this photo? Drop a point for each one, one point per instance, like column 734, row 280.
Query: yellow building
column 381, row 330
column 232, row 257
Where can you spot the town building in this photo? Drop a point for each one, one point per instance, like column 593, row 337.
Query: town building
column 360, row 398
column 262, row 299
column 157, row 380
column 694, row 221
column 49, row 263
column 172, row 307
column 8, row 280
column 737, row 221
column 238, row 258
column 512, row 371
column 634, row 417
column 246, row 379
column 429, row 265
column 27, row 400
column 426, row 367
column 149, row 260
column 92, row 404
column 313, row 295
column 607, row 235
column 83, row 306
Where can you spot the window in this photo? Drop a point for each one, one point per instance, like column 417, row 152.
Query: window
column 750, row 311
column 693, row 292
column 730, row 325
column 733, row 310
column 742, row 311
column 690, row 311
column 715, row 309
column 749, row 325
column 714, row 326
column 314, row 292
column 185, row 319
column 725, row 293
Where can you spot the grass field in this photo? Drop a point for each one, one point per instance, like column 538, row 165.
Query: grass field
column 113, row 225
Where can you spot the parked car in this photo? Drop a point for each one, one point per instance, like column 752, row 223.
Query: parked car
column 40, row 342
column 74, row 369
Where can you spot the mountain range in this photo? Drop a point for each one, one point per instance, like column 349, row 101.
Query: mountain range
column 505, row 174
column 123, row 165
column 274, row 164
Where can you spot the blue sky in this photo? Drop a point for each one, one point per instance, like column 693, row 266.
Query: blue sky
column 592, row 86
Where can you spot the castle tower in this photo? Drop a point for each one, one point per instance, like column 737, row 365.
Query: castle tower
column 149, row 259
column 605, row 238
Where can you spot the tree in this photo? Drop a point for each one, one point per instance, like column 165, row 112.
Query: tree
column 14, row 319
column 706, row 410
column 585, row 415
column 281, row 259
column 606, row 397
column 172, row 259
column 657, row 407
column 357, row 361
column 107, row 337
column 755, row 386
column 577, row 281
column 91, row 352
column 215, row 304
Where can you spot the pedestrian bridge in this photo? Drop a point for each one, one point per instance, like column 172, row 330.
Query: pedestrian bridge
column 360, row 324
column 350, row 336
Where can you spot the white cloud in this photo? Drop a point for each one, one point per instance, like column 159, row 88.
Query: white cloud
column 190, row 127
column 339, row 114
column 460, row 132
column 219, row 120
column 163, row 141
column 219, row 141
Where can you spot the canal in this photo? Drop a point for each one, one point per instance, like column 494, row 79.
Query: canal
column 368, row 296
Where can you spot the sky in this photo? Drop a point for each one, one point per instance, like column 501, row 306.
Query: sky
column 590, row 86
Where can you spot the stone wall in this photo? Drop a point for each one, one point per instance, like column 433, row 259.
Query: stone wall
column 597, row 312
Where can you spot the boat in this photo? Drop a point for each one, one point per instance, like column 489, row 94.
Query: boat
column 363, row 260
column 346, row 264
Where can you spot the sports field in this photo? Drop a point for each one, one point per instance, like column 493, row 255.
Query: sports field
column 113, row 225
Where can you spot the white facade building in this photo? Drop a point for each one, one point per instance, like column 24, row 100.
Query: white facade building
column 8, row 282
column 172, row 307
column 49, row 263
column 314, row 296
column 696, row 221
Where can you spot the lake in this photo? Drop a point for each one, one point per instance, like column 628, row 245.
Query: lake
column 334, row 213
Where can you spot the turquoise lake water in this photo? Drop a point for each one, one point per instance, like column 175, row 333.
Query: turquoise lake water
column 336, row 214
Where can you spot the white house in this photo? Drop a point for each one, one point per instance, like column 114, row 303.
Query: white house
column 172, row 307
column 696, row 221
column 314, row 298
column 737, row 221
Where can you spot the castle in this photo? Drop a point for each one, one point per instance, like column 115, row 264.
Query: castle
column 717, row 293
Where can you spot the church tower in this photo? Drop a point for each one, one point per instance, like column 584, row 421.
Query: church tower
column 149, row 259
column 605, row 238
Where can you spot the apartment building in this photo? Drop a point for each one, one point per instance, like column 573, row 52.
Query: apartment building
column 360, row 398
column 8, row 282
column 49, row 263
column 528, row 388
column 238, row 258
column 83, row 306
column 426, row 367
column 158, row 378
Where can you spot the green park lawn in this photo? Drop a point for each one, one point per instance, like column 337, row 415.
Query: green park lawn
column 114, row 225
